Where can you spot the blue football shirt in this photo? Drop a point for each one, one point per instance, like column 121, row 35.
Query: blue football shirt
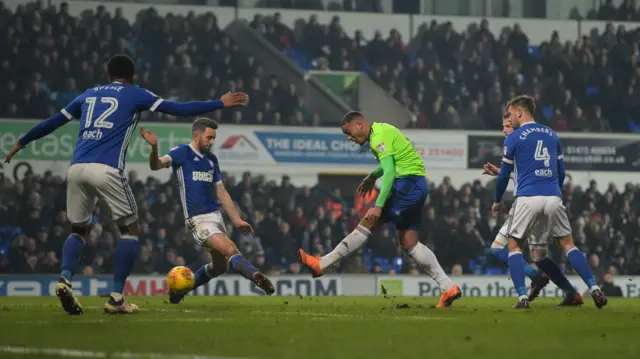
column 534, row 151
column 108, row 117
column 196, row 176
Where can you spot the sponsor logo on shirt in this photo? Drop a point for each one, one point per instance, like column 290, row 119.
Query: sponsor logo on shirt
column 202, row 176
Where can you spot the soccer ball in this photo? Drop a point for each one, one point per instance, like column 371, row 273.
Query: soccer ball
column 181, row 279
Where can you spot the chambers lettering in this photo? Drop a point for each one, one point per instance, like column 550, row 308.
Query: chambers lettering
column 528, row 131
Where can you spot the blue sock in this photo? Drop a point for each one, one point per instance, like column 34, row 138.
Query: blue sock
column 242, row 266
column 555, row 274
column 579, row 263
column 503, row 255
column 71, row 251
column 516, row 269
column 531, row 272
column 202, row 277
column 126, row 254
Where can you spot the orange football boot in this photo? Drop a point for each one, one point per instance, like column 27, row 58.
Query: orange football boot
column 447, row 298
column 311, row 262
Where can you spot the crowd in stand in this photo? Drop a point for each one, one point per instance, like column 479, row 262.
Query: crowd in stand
column 457, row 224
column 461, row 79
column 447, row 78
column 49, row 57
column 627, row 11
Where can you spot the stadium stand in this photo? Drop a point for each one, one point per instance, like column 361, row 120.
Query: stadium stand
column 607, row 11
column 454, row 80
column 456, row 223
column 191, row 60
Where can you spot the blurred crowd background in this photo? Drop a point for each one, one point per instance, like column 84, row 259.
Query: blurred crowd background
column 453, row 79
column 457, row 223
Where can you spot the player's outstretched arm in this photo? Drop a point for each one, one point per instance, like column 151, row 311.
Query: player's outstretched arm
column 230, row 208
column 38, row 131
column 201, row 107
column 155, row 162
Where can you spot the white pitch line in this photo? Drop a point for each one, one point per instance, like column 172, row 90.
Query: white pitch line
column 72, row 353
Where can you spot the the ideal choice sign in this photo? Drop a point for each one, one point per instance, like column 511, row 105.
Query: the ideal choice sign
column 157, row 285
column 248, row 145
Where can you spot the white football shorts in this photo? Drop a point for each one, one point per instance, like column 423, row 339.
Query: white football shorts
column 205, row 225
column 538, row 218
column 92, row 183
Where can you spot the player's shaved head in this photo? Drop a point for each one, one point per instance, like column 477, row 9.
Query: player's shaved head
column 202, row 123
column 356, row 127
column 121, row 67
column 351, row 116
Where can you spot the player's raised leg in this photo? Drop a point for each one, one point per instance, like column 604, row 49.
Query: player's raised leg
column 351, row 243
column 561, row 229
column 238, row 263
column 212, row 224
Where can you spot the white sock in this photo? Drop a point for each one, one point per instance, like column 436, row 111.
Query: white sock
column 594, row 288
column 351, row 243
column 116, row 296
column 428, row 261
column 522, row 297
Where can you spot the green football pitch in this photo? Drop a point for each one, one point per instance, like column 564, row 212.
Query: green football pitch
column 319, row 327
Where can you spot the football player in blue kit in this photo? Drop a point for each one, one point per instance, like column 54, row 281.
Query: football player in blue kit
column 547, row 268
column 108, row 116
column 202, row 194
column 534, row 153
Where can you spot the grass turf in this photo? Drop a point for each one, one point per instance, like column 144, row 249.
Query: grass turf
column 321, row 327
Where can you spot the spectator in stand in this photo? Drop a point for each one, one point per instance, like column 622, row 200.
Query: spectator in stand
column 442, row 66
column 181, row 58
column 286, row 218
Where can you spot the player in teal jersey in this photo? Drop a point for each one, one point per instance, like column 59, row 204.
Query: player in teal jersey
column 400, row 201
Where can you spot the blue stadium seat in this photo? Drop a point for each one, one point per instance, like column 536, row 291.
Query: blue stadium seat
column 535, row 51
column 592, row 90
column 397, row 264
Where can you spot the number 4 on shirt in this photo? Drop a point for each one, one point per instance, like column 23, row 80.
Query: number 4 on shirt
column 542, row 154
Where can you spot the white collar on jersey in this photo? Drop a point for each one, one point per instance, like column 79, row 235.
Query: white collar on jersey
column 196, row 151
column 528, row 123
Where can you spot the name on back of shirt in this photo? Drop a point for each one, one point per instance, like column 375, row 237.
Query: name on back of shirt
column 108, row 87
column 524, row 133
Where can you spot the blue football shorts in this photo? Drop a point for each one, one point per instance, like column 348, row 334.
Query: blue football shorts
column 404, row 205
